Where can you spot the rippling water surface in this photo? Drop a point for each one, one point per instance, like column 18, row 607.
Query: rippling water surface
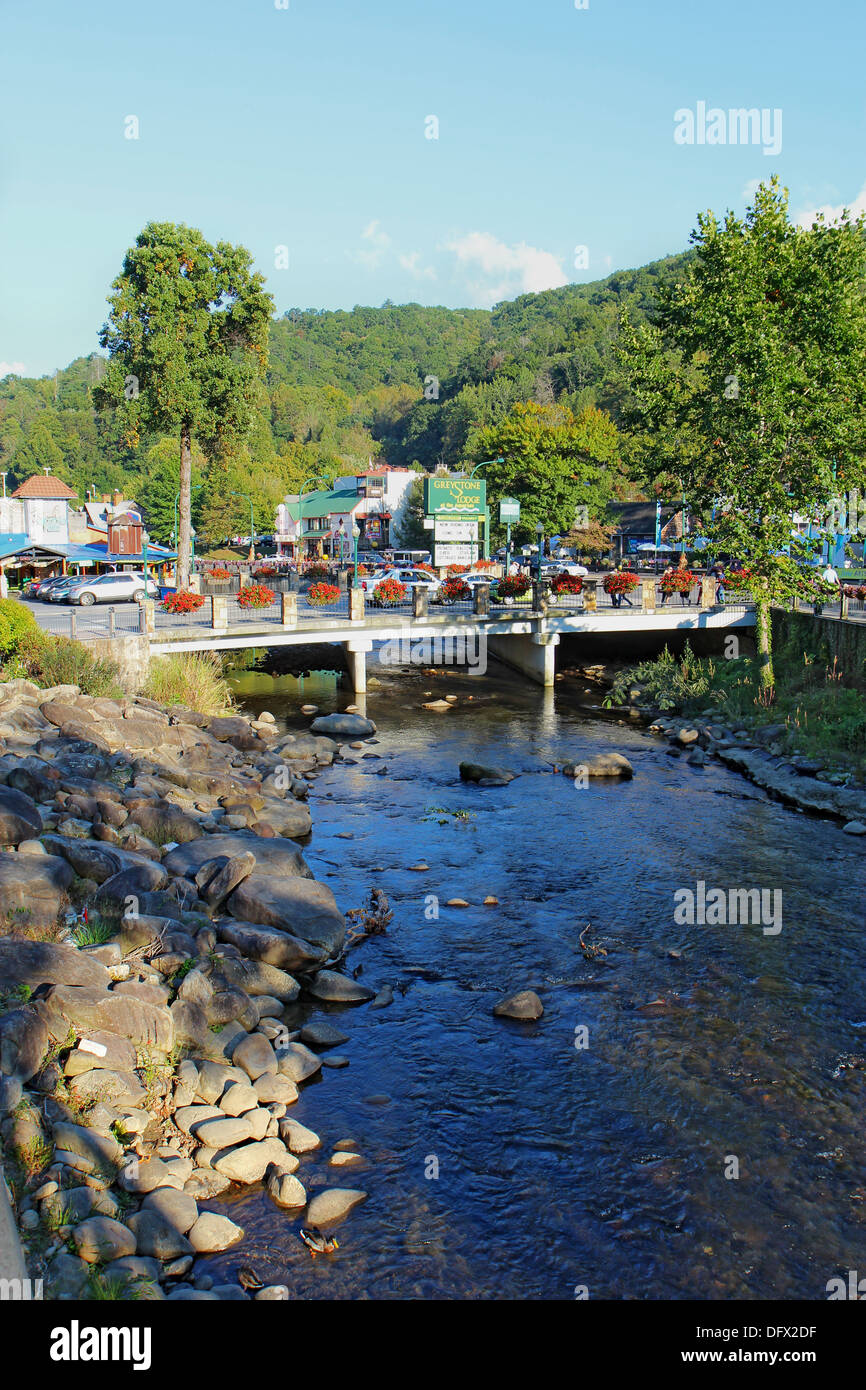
column 560, row 1167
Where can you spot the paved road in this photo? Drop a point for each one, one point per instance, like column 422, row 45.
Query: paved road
column 90, row 622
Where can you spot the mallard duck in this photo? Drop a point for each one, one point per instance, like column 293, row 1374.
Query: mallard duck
column 317, row 1242
column 248, row 1279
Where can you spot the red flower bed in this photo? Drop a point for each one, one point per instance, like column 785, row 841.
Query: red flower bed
column 677, row 582
column 322, row 594
column 256, row 596
column 620, row 582
column 182, row 602
column 567, row 584
column 388, row 592
column 454, row 588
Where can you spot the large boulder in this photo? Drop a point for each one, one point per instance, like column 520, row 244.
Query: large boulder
column 146, row 1025
column 33, row 888
column 334, row 988
column 277, row 857
column 93, row 858
column 164, row 822
column 332, row 1205
column 269, row 945
column 523, row 1005
column 218, row 877
column 19, row 817
column 23, row 1043
column 135, row 883
column 254, row 977
column 100, row 1239
column 249, row 1162
column 301, row 906
column 43, row 963
column 346, row 725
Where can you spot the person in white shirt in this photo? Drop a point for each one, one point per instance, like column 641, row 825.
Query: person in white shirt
column 830, row 576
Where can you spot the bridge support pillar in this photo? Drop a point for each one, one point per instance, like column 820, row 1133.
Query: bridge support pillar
column 533, row 655
column 356, row 657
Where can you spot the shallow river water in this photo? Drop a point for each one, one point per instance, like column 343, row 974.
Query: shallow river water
column 607, row 1166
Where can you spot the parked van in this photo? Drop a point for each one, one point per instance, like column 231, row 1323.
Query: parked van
column 412, row 557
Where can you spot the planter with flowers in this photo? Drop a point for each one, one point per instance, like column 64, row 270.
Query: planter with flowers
column 183, row 601
column 322, row 594
column 510, row 587
column 677, row 582
column 454, row 590
column 567, row 583
column 388, row 593
column 317, row 571
column 456, row 569
column 256, row 596
column 620, row 582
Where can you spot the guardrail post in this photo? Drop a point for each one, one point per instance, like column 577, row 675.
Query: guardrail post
column 289, row 609
column 843, row 604
column 356, row 605
column 590, row 595
column 219, row 611
column 148, row 609
column 72, row 624
column 481, row 604
column 420, row 600
column 648, row 595
column 708, row 592
column 112, row 621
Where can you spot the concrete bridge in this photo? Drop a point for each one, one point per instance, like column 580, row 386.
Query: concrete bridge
column 524, row 635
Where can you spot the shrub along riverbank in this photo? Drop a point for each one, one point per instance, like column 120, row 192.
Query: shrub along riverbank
column 811, row 728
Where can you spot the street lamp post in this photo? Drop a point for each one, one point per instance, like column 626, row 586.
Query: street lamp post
column 145, row 539
column 539, row 531
column 252, row 554
column 356, row 531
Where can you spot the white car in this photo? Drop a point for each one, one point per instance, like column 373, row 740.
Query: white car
column 112, row 588
column 412, row 577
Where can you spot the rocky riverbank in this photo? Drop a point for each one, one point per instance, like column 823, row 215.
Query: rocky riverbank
column 157, row 917
column 796, row 780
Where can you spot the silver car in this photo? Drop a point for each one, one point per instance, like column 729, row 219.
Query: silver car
column 111, row 588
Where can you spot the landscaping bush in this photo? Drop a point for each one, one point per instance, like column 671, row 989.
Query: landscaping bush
column 184, row 601
column 192, row 679
column 256, row 596
column 322, row 594
column 15, row 622
column 51, row 661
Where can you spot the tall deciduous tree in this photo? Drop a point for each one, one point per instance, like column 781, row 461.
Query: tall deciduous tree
column 753, row 377
column 558, row 464
column 187, row 336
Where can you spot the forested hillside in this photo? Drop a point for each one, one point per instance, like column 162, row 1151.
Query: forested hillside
column 403, row 384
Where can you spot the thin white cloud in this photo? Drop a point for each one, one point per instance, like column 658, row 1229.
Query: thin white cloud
column 834, row 214
column 411, row 262
column 11, row 369
column 509, row 270
column 377, row 244
column 750, row 189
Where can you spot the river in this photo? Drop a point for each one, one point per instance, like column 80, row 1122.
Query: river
column 608, row 1167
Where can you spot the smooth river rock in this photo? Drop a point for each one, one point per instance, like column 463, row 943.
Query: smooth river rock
column 333, row 1205
column 525, row 1004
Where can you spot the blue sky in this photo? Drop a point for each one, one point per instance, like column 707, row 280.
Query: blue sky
column 305, row 128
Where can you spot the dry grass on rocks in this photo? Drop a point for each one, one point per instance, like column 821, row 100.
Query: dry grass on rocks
column 192, row 679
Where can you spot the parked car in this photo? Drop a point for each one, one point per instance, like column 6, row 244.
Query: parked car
column 411, row 577
column 412, row 557
column 112, row 588
column 59, row 592
column 41, row 588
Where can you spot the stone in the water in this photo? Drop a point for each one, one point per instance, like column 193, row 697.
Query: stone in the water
column 212, row 1232
column 486, row 776
column 524, row 1005
column 456, row 902
column 338, row 989
column 490, row 901
column 286, row 1190
column 332, row 1205
column 297, row 1138
column 854, row 827
column 335, row 1061
column 383, row 998
column 600, row 765
column 322, row 1035
column 350, row 725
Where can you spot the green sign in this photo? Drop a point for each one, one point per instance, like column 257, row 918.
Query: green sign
column 509, row 510
column 455, row 497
